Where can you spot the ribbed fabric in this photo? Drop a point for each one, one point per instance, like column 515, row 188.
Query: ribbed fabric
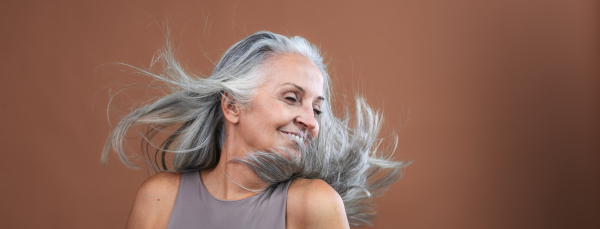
column 196, row 208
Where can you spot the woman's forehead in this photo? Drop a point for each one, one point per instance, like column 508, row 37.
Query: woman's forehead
column 295, row 70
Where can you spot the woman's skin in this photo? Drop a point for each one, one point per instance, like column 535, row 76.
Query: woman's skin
column 286, row 104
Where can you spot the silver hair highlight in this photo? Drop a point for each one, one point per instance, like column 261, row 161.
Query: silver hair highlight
column 344, row 154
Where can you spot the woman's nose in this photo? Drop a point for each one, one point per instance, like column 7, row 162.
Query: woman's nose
column 307, row 119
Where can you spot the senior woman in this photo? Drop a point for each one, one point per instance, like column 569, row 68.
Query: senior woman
column 256, row 145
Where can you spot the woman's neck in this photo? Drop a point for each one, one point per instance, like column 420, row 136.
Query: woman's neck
column 220, row 186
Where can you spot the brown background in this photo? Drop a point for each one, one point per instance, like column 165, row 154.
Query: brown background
column 496, row 102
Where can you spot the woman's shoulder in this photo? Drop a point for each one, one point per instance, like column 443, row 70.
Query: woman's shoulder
column 161, row 182
column 154, row 201
column 312, row 203
column 311, row 188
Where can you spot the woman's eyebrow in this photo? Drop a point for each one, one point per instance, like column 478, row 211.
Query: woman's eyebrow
column 321, row 98
column 295, row 85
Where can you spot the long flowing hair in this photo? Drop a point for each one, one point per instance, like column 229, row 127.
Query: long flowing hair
column 347, row 155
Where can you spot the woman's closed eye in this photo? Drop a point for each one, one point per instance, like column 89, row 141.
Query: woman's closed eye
column 291, row 97
column 317, row 112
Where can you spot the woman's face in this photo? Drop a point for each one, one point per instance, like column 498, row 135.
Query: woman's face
column 284, row 111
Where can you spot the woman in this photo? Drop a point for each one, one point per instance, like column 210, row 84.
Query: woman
column 256, row 145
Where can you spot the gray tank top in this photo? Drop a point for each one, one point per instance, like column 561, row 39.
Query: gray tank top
column 196, row 208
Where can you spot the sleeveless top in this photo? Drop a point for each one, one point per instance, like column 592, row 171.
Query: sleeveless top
column 196, row 208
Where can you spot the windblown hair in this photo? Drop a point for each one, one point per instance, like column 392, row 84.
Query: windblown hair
column 346, row 156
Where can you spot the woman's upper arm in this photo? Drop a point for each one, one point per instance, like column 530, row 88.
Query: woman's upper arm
column 154, row 201
column 315, row 204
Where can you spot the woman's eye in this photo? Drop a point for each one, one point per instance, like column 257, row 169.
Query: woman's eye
column 317, row 112
column 291, row 99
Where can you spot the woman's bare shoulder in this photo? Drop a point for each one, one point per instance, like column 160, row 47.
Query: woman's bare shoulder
column 154, row 201
column 312, row 203
column 161, row 182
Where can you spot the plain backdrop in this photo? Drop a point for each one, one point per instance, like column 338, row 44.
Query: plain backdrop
column 497, row 103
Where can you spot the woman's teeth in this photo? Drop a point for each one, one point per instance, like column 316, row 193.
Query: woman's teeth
column 295, row 137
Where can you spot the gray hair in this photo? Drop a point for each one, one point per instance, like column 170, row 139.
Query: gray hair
column 345, row 156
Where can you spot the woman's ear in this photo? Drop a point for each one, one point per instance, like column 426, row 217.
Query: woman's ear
column 231, row 109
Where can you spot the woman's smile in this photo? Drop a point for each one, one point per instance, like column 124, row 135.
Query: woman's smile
column 294, row 136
